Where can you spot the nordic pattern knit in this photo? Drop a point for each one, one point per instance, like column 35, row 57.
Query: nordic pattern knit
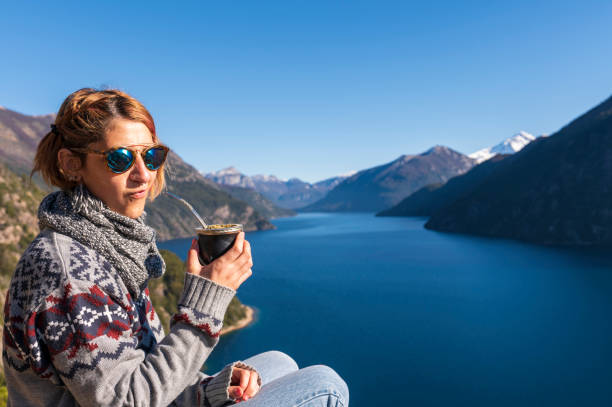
column 73, row 335
column 127, row 244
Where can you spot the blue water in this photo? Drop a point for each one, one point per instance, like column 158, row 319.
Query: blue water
column 409, row 316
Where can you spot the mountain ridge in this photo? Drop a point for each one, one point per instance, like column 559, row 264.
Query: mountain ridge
column 434, row 197
column 290, row 194
column 19, row 137
column 510, row 145
column 556, row 190
column 380, row 187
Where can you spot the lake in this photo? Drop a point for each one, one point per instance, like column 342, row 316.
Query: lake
column 409, row 316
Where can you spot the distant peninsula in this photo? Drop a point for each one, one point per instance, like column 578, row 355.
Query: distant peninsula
column 247, row 320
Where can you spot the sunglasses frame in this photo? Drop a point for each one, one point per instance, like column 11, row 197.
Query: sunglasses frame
column 142, row 153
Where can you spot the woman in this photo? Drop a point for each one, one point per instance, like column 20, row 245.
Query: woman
column 80, row 328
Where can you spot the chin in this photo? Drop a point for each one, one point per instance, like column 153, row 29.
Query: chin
column 132, row 211
column 136, row 213
column 133, row 208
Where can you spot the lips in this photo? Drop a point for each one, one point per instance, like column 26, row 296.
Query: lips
column 139, row 194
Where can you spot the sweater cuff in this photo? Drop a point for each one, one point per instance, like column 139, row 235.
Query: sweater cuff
column 203, row 304
column 217, row 393
column 205, row 296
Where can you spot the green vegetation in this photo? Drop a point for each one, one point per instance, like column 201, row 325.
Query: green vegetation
column 19, row 200
column 3, row 390
column 165, row 292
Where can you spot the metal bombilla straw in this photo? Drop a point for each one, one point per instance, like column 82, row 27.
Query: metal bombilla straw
column 188, row 205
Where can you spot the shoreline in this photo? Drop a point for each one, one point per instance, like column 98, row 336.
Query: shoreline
column 244, row 322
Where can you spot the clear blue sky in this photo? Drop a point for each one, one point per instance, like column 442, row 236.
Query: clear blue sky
column 311, row 89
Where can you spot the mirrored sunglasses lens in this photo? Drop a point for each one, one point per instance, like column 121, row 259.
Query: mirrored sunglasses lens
column 155, row 157
column 119, row 160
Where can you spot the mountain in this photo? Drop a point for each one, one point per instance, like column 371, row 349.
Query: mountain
column 431, row 198
column 259, row 202
column 384, row 186
column 299, row 196
column 509, row 146
column 291, row 194
column 330, row 183
column 232, row 177
column 557, row 190
column 19, row 137
column 171, row 219
column 280, row 191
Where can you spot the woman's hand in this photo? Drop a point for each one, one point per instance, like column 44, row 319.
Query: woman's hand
column 243, row 384
column 230, row 270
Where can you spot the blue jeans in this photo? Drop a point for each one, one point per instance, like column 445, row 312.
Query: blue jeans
column 283, row 384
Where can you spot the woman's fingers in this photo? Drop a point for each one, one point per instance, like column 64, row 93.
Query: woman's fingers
column 245, row 259
column 252, row 387
column 193, row 264
column 233, row 268
column 240, row 383
column 246, row 263
column 237, row 248
column 244, row 276
column 235, row 392
column 244, row 384
column 246, row 250
column 243, row 379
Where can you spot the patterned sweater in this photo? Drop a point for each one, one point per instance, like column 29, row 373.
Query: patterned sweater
column 74, row 336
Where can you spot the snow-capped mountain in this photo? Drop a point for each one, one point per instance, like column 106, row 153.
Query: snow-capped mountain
column 267, row 178
column 509, row 146
column 231, row 176
column 293, row 193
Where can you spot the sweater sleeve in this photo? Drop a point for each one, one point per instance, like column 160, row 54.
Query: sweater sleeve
column 95, row 351
column 212, row 391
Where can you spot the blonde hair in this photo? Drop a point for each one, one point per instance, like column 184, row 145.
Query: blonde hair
column 83, row 119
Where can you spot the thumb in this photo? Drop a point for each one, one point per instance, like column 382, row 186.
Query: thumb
column 193, row 264
column 235, row 392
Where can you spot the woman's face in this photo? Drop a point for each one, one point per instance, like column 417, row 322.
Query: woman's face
column 124, row 193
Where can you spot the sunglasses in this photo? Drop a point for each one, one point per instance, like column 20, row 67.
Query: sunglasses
column 121, row 159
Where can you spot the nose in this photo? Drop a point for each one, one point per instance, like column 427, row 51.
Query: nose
column 139, row 172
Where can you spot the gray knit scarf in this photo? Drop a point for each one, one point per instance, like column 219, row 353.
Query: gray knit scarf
column 128, row 244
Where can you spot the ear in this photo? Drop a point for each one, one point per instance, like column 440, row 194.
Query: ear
column 69, row 164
